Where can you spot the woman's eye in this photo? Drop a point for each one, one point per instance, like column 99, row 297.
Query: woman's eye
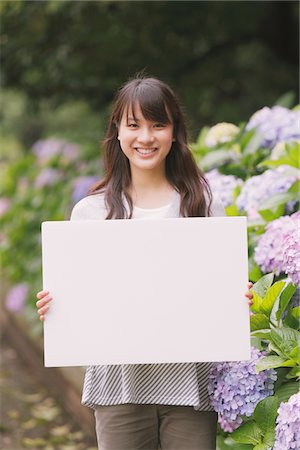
column 132, row 125
column 159, row 125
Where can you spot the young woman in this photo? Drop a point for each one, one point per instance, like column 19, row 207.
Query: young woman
column 149, row 173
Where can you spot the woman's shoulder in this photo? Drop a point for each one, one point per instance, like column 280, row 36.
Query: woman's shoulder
column 91, row 207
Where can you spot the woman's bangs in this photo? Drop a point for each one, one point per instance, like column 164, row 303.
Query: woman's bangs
column 152, row 106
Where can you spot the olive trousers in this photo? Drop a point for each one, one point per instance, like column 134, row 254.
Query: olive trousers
column 153, row 427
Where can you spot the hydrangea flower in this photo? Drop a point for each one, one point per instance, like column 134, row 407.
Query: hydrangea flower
column 261, row 187
column 275, row 124
column 4, row 205
column 291, row 251
column 81, row 187
column 220, row 133
column 46, row 149
column 269, row 252
column 235, row 389
column 47, row 177
column 223, row 185
column 288, row 425
column 16, row 297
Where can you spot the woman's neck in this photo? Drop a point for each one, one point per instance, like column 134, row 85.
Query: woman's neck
column 150, row 190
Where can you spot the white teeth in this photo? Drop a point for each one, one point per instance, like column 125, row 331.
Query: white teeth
column 145, row 151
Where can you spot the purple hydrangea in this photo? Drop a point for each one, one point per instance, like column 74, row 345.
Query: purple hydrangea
column 16, row 297
column 291, row 251
column 47, row 177
column 269, row 252
column 235, row 389
column 223, row 185
column 259, row 188
column 81, row 187
column 46, row 149
column 275, row 124
column 288, row 425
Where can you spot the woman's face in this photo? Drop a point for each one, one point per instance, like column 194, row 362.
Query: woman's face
column 145, row 143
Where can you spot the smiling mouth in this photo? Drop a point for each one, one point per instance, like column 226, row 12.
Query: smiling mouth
column 145, row 151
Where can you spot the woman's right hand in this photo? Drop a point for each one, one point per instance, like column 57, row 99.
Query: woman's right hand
column 43, row 303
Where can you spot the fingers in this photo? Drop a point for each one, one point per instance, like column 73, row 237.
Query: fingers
column 41, row 294
column 249, row 294
column 42, row 311
column 43, row 303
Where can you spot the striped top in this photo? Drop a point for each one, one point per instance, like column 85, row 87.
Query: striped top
column 169, row 384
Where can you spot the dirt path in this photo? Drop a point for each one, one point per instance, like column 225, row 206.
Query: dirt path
column 30, row 417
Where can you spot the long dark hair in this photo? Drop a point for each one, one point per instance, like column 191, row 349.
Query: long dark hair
column 158, row 103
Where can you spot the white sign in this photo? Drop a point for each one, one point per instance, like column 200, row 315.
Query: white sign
column 146, row 291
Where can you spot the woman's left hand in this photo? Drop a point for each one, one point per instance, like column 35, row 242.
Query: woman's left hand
column 249, row 294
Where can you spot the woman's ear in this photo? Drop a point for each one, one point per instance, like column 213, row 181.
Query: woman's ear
column 173, row 140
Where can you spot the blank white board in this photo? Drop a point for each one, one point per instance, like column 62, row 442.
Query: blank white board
column 146, row 291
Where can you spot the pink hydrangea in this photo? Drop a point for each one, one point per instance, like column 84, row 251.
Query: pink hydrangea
column 46, row 149
column 4, row 205
column 16, row 297
column 291, row 252
column 47, row 177
column 288, row 425
column 269, row 252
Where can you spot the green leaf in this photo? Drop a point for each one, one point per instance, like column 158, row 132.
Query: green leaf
column 226, row 443
column 257, row 302
column 296, row 312
column 286, row 339
column 294, row 373
column 285, row 298
column 232, row 210
column 270, row 362
column 247, row 433
column 262, row 334
column 271, row 296
column 259, row 322
column 290, row 320
column 287, row 390
column 263, row 284
column 217, row 158
column 270, row 215
column 295, row 188
column 265, row 413
column 295, row 354
column 276, row 200
column 269, row 437
column 274, row 348
column 286, row 100
column 253, row 144
column 275, row 162
column 254, row 271
column 261, row 447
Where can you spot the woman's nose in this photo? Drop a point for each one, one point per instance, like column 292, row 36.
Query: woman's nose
column 145, row 135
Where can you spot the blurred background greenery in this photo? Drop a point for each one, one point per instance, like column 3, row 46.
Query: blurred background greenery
column 61, row 61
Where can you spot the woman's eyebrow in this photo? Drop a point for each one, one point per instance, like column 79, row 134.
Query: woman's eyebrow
column 133, row 118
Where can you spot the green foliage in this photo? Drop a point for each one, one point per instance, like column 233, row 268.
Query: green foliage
column 283, row 341
column 260, row 430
